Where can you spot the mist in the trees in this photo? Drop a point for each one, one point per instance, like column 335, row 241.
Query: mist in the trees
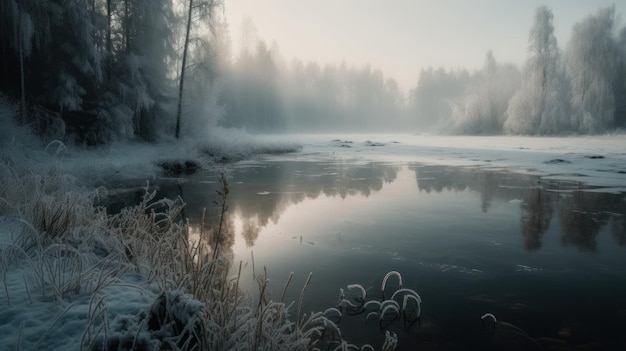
column 105, row 70
column 539, row 106
column 620, row 82
column 431, row 101
column 579, row 90
column 482, row 109
column 263, row 93
column 96, row 71
column 591, row 63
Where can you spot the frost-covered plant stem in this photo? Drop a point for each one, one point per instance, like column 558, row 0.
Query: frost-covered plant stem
column 306, row 284
column 223, row 193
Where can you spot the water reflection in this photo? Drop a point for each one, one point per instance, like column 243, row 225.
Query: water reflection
column 260, row 193
column 582, row 212
column 463, row 231
column 619, row 226
column 536, row 213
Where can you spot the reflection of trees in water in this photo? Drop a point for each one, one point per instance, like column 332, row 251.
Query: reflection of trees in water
column 582, row 214
column 536, row 213
column 619, row 227
column 260, row 194
column 486, row 181
column 340, row 179
column 363, row 179
column 207, row 233
column 250, row 230
column 439, row 178
column 491, row 185
column 290, row 183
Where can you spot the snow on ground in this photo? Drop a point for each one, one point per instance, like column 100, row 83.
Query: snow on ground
column 36, row 176
column 135, row 160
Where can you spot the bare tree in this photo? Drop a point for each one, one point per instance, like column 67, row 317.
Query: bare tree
column 204, row 9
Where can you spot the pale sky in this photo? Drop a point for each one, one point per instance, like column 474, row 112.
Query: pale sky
column 402, row 36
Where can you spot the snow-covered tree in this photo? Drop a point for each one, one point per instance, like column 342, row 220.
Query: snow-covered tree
column 143, row 50
column 620, row 82
column 539, row 106
column 591, row 61
column 54, row 48
column 482, row 109
column 99, row 69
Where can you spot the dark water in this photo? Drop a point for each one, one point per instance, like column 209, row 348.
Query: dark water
column 546, row 256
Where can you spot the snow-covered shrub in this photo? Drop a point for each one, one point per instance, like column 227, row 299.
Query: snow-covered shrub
column 173, row 322
column 51, row 204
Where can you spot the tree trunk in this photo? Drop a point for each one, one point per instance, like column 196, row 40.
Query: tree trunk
column 127, row 26
column 109, row 44
column 21, row 54
column 182, row 70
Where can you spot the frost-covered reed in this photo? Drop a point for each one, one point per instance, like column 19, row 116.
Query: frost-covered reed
column 404, row 304
column 61, row 250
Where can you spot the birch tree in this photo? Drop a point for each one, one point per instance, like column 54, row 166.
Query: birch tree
column 591, row 62
column 539, row 106
column 202, row 9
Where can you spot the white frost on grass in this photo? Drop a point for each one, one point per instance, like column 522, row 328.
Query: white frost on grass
column 73, row 277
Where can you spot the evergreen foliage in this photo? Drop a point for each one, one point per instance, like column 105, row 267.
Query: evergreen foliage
column 92, row 71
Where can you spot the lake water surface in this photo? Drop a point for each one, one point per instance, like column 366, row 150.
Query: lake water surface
column 547, row 256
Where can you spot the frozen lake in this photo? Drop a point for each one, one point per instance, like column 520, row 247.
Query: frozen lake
column 532, row 230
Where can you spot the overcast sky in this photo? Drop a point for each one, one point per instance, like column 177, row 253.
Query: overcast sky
column 402, row 36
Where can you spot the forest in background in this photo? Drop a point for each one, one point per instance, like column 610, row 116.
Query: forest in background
column 578, row 90
column 102, row 70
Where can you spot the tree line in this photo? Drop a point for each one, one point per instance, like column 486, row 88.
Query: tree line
column 578, row 90
column 264, row 93
column 99, row 70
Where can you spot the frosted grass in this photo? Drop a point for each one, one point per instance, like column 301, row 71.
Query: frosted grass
column 404, row 305
column 74, row 276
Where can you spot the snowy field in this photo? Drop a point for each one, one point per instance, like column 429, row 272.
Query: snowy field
column 43, row 308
